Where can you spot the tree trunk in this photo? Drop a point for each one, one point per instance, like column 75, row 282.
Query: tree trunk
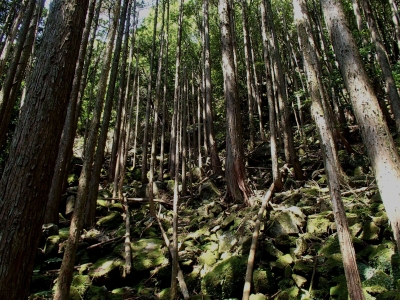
column 324, row 127
column 290, row 153
column 234, row 166
column 99, row 157
column 384, row 63
column 70, row 125
column 9, row 104
column 272, row 116
column 396, row 20
column 174, row 125
column 249, row 74
column 23, row 186
column 164, row 105
column 148, row 104
column 9, row 80
column 212, row 145
column 375, row 133
column 123, row 83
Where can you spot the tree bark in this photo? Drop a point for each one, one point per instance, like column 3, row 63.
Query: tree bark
column 99, row 157
column 384, row 63
column 329, row 152
column 70, row 125
column 212, row 145
column 23, row 186
column 145, row 144
column 234, row 166
column 375, row 133
column 290, row 153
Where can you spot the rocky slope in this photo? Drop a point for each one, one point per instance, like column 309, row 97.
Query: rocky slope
column 298, row 254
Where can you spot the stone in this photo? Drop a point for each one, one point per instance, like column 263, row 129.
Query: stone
column 380, row 258
column 69, row 208
column 263, row 281
column 49, row 229
column 51, row 246
column 106, row 267
column 208, row 258
column 226, row 242
column 379, row 281
column 112, row 220
column 209, row 191
column 283, row 261
column 228, row 221
column 370, row 232
column 301, row 246
column 226, row 279
column 318, row 225
column 283, row 223
column 299, row 280
column 257, row 297
column 271, row 250
column 97, row 293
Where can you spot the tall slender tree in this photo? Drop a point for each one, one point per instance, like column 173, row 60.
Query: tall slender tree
column 23, row 188
column 374, row 130
column 234, row 166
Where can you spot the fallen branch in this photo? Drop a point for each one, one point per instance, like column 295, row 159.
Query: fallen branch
column 106, row 242
column 252, row 254
column 128, row 253
column 164, row 202
column 360, row 190
column 181, row 279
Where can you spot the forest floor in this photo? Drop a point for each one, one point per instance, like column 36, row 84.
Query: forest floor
column 298, row 255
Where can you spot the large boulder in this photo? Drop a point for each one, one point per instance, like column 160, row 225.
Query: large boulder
column 226, row 279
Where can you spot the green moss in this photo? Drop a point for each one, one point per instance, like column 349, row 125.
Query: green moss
column 318, row 225
column 113, row 220
column 97, row 293
column 263, row 281
column 165, row 294
column 380, row 258
column 379, row 281
column 51, row 246
column 257, row 297
column 283, row 261
column 289, row 294
column 370, row 232
column 208, row 258
column 331, row 246
column 226, row 279
column 104, row 266
column 81, row 283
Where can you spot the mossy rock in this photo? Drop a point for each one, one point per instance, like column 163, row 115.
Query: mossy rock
column 106, row 267
column 332, row 266
column 271, row 250
column 379, row 281
column 209, row 191
column 381, row 219
column 318, row 225
column 331, row 246
column 146, row 253
column 380, row 258
column 263, row 281
column 370, row 232
column 97, row 293
column 51, row 246
column 303, row 267
column 289, row 294
column 395, row 271
column 365, row 271
column 299, row 280
column 228, row 221
column 283, row 261
column 257, row 297
column 227, row 241
column 81, row 283
column 165, row 294
column 283, row 223
column 113, row 220
column 208, row 258
column 391, row 295
column 226, row 279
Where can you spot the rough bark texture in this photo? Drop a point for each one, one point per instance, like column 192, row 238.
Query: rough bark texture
column 290, row 153
column 98, row 162
column 272, row 116
column 234, row 167
column 11, row 98
column 23, row 186
column 324, row 127
column 384, row 63
column 375, row 133
column 148, row 104
column 70, row 125
column 212, row 145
